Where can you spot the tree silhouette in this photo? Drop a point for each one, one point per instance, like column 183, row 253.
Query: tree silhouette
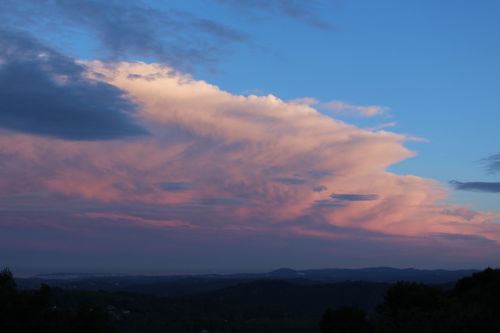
column 344, row 320
column 33, row 311
column 7, row 282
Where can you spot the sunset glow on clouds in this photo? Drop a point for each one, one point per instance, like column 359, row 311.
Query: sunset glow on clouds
column 225, row 161
column 129, row 139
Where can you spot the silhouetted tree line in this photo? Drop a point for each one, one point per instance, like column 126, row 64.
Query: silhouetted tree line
column 472, row 305
column 34, row 311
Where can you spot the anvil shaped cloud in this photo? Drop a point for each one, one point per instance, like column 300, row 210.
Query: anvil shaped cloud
column 219, row 160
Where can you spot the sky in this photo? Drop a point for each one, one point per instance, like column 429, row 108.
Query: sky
column 218, row 136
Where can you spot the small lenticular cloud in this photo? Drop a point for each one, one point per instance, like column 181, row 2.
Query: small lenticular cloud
column 354, row 197
column 492, row 187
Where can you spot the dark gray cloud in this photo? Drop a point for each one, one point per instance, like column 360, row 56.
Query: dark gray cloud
column 492, row 163
column 43, row 92
column 318, row 174
column 354, row 197
column 492, row 187
column 128, row 29
column 303, row 11
column 319, row 188
column 176, row 186
column 290, row 180
column 328, row 203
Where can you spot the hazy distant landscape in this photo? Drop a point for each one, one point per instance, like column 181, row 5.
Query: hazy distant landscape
column 178, row 285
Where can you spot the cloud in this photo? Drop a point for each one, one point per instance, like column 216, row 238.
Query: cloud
column 354, row 197
column 144, row 221
column 43, row 92
column 318, row 174
column 221, row 201
column 306, row 12
column 387, row 125
column 493, row 187
column 492, row 163
column 320, row 188
column 344, row 108
column 176, row 186
column 308, row 101
column 126, row 29
column 291, row 181
column 325, row 203
column 128, row 245
column 253, row 161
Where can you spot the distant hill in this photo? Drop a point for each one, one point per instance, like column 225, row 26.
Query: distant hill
column 179, row 285
column 373, row 274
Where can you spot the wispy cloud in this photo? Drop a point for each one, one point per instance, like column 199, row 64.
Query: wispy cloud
column 308, row 12
column 347, row 109
column 492, row 163
column 157, row 223
column 384, row 126
column 127, row 29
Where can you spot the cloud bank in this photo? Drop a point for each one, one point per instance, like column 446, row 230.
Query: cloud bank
column 235, row 164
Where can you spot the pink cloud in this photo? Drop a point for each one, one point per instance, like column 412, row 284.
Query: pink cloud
column 251, row 162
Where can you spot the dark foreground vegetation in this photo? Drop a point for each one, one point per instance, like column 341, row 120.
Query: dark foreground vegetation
column 470, row 305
